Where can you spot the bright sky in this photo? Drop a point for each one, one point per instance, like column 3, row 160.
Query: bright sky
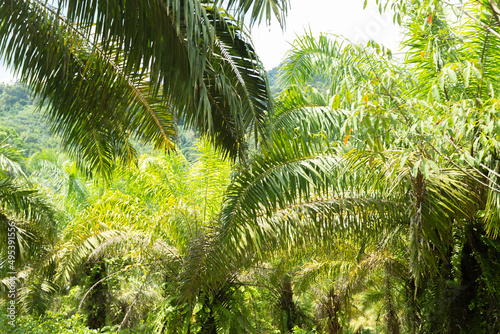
column 340, row 17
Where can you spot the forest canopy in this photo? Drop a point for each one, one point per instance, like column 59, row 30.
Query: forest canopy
column 169, row 184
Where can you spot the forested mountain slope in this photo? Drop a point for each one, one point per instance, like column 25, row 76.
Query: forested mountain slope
column 21, row 124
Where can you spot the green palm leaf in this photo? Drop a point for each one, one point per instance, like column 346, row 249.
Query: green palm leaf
column 188, row 62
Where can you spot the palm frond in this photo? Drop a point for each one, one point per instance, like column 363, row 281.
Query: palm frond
column 197, row 68
column 234, row 95
column 258, row 10
column 10, row 161
column 24, row 203
column 308, row 112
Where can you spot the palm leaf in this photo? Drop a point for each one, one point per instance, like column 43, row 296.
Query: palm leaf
column 188, row 62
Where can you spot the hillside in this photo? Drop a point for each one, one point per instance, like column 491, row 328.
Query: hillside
column 21, row 124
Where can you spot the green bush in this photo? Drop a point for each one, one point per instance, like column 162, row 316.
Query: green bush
column 53, row 324
column 48, row 324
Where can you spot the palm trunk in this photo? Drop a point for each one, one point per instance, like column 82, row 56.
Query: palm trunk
column 391, row 316
column 287, row 306
column 97, row 298
column 209, row 326
column 330, row 310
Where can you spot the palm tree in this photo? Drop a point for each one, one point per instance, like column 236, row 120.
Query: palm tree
column 27, row 221
column 441, row 147
column 372, row 168
column 61, row 176
column 150, row 221
column 118, row 71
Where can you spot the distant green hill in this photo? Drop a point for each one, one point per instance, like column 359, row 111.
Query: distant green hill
column 273, row 81
column 20, row 125
column 318, row 83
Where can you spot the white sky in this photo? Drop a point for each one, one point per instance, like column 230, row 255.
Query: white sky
column 340, row 17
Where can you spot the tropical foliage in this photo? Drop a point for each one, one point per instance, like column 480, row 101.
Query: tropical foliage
column 363, row 198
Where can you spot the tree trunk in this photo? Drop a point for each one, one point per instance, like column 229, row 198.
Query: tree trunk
column 330, row 310
column 97, row 297
column 287, row 306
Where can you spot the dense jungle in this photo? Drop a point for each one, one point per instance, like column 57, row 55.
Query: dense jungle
column 155, row 178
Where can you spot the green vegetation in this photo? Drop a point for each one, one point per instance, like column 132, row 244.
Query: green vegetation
column 20, row 125
column 362, row 198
